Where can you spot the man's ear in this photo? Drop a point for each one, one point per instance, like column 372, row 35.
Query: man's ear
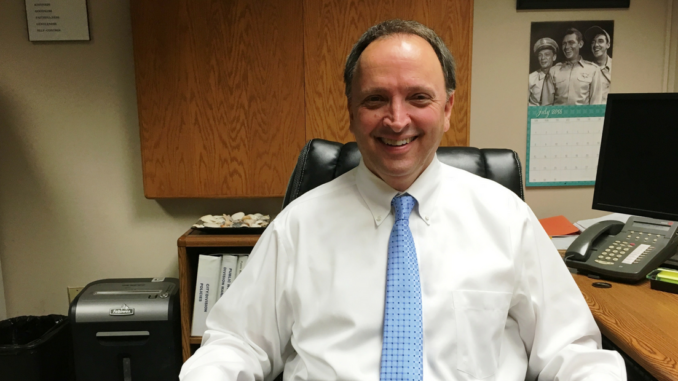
column 350, row 112
column 581, row 44
column 350, row 116
column 448, row 111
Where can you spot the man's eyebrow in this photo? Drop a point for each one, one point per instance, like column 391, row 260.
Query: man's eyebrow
column 409, row 89
column 419, row 88
column 372, row 90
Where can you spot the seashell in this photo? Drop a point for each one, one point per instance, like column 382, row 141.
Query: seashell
column 257, row 216
column 212, row 225
column 227, row 217
column 227, row 224
column 199, row 226
column 208, row 218
column 238, row 216
column 258, row 224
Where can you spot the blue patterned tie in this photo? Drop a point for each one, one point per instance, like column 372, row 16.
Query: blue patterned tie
column 401, row 353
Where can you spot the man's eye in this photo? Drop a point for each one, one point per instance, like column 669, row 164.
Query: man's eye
column 421, row 99
column 373, row 101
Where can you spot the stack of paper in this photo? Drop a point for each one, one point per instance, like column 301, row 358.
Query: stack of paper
column 563, row 242
column 561, row 231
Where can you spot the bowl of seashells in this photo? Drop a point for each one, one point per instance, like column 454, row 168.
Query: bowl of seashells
column 237, row 223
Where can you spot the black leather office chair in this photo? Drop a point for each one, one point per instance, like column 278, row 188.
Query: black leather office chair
column 321, row 161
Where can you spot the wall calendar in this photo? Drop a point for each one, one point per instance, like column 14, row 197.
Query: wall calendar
column 563, row 143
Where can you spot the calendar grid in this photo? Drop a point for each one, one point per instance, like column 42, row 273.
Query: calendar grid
column 563, row 143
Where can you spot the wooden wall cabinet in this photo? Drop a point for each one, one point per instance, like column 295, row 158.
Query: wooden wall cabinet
column 190, row 245
column 229, row 91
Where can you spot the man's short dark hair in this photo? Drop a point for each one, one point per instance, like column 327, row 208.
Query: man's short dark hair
column 396, row 26
column 576, row 32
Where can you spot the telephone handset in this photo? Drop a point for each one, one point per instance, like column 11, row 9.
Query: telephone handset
column 580, row 249
column 623, row 252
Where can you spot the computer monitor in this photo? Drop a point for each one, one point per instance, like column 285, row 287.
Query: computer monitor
column 638, row 162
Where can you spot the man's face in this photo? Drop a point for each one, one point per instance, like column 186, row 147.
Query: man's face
column 546, row 58
column 398, row 108
column 571, row 46
column 600, row 45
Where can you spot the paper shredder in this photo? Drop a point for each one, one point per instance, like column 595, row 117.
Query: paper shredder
column 127, row 330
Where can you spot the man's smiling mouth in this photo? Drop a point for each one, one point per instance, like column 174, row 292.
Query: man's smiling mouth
column 396, row 143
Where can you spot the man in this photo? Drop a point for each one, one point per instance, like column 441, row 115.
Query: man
column 546, row 50
column 575, row 81
column 600, row 43
column 479, row 287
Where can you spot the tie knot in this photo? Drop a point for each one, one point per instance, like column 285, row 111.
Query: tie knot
column 403, row 206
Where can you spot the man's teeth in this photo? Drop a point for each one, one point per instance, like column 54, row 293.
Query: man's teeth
column 396, row 142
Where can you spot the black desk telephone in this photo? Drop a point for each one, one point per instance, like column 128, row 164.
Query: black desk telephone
column 623, row 252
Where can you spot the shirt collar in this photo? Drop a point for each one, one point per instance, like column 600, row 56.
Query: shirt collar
column 566, row 63
column 378, row 195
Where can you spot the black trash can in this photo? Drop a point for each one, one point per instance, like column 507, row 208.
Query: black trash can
column 36, row 348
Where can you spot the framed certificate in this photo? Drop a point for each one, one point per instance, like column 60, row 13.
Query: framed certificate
column 57, row 20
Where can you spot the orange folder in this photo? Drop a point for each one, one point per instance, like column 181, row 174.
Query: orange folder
column 558, row 225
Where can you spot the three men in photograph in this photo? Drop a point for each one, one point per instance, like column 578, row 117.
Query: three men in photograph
column 574, row 81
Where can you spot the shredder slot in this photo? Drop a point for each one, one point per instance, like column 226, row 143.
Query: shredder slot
column 122, row 338
column 143, row 292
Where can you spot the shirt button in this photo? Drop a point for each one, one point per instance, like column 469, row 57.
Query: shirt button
column 378, row 218
column 426, row 218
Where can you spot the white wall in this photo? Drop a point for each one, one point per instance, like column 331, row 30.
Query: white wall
column 71, row 200
column 501, row 55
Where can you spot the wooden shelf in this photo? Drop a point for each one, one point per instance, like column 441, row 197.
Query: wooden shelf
column 197, row 238
column 190, row 245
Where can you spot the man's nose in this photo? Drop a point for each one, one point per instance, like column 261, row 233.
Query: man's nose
column 398, row 118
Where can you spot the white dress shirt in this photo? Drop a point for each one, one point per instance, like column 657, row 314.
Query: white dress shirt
column 497, row 301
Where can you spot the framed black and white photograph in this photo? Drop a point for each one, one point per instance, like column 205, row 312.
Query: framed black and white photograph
column 555, row 48
column 571, row 4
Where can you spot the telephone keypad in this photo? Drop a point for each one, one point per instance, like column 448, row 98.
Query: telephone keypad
column 634, row 250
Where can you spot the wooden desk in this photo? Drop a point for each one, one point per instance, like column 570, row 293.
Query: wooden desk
column 641, row 321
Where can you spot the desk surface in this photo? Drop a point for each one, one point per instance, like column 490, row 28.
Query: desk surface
column 641, row 321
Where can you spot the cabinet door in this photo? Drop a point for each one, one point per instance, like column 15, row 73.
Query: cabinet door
column 220, row 95
column 332, row 27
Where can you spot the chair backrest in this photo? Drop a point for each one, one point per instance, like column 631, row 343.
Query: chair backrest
column 321, row 161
